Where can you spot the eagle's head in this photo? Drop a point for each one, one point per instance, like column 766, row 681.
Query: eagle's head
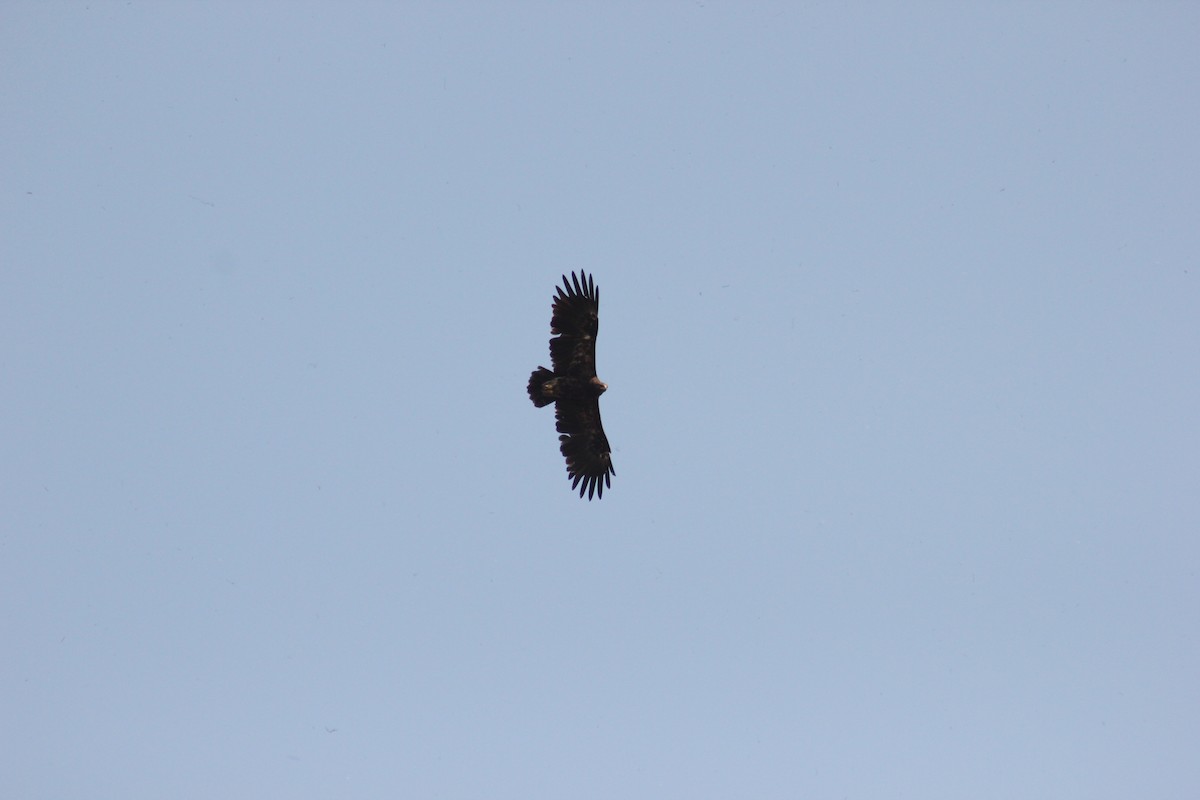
column 598, row 386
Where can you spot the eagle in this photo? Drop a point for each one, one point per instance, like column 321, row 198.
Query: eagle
column 573, row 386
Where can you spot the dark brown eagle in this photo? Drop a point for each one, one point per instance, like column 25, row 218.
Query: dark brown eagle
column 573, row 386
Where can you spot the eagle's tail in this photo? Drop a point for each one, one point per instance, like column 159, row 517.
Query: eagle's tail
column 537, row 389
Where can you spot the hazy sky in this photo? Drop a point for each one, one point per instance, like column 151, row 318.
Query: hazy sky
column 901, row 322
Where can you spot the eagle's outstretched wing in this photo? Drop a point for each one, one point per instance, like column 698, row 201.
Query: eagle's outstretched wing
column 584, row 445
column 575, row 320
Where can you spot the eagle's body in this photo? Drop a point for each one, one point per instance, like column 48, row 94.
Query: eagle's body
column 546, row 388
column 573, row 386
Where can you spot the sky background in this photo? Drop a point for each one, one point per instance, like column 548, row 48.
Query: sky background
column 900, row 315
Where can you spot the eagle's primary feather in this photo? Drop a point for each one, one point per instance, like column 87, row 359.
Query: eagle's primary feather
column 573, row 386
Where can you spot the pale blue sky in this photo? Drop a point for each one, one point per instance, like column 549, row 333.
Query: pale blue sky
column 900, row 321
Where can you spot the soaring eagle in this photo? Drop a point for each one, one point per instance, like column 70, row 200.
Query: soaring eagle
column 573, row 386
